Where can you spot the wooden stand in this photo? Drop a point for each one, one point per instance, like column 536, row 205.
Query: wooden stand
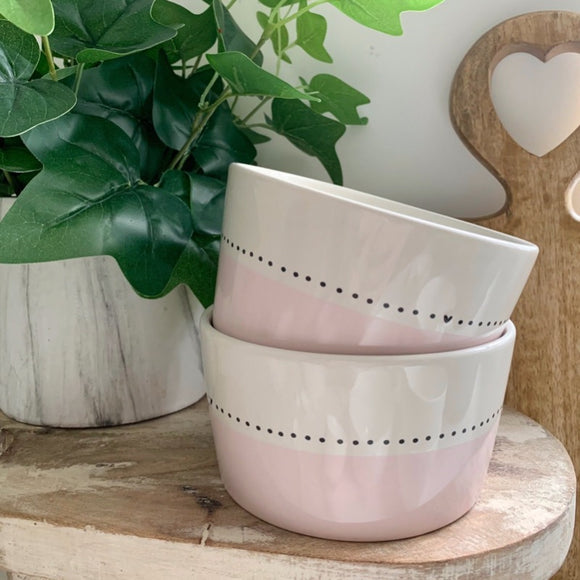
column 146, row 501
column 545, row 377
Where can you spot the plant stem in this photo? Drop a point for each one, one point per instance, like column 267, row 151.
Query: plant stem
column 261, row 42
column 279, row 51
column 205, row 112
column 184, row 151
column 255, row 109
column 199, row 123
column 49, row 58
column 234, row 103
column 196, row 65
column 275, row 24
column 298, row 13
column 260, row 126
column 9, row 180
column 78, row 76
column 203, row 98
column 275, row 11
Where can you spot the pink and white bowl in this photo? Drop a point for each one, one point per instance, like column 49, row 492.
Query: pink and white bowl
column 312, row 266
column 353, row 447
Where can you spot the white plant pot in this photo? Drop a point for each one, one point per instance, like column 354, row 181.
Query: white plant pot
column 78, row 347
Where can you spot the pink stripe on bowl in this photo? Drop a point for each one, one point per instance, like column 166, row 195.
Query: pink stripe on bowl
column 351, row 498
column 256, row 308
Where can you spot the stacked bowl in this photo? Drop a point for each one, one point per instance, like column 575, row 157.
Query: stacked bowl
column 356, row 356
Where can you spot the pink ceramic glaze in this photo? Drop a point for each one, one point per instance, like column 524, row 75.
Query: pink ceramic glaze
column 297, row 253
column 354, row 447
column 265, row 311
column 343, row 497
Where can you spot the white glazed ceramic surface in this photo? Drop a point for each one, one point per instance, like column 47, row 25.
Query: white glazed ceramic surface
column 355, row 447
column 311, row 266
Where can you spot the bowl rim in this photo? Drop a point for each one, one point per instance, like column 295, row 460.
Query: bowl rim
column 507, row 337
column 387, row 206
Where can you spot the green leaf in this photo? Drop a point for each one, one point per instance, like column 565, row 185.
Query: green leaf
column 18, row 181
column 204, row 195
column 196, row 33
column 89, row 200
column 32, row 16
column 91, row 31
column 231, row 38
column 382, row 15
column 61, row 73
column 272, row 3
column 197, row 266
column 207, row 204
column 280, row 38
column 175, row 107
column 221, row 144
column 42, row 68
column 312, row 133
column 121, row 91
column 310, row 35
column 19, row 53
column 175, row 102
column 26, row 103
column 247, row 78
column 176, row 183
column 15, row 157
column 338, row 98
column 255, row 137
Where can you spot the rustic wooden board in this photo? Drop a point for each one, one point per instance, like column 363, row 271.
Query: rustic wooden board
column 146, row 501
column 545, row 382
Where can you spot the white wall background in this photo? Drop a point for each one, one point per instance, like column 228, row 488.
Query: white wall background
column 409, row 151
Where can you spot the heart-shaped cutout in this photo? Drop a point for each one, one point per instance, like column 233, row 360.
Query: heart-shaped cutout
column 538, row 102
column 573, row 198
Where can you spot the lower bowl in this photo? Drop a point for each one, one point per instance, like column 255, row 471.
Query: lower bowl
column 352, row 447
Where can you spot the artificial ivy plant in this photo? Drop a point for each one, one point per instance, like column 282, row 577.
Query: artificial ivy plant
column 119, row 119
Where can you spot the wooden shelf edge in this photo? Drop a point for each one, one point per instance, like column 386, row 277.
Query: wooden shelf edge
column 130, row 502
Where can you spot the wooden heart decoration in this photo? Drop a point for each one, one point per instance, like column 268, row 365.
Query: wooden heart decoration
column 544, row 35
column 542, row 206
column 538, row 102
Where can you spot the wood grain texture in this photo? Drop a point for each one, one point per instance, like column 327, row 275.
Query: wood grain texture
column 545, row 375
column 146, row 501
column 10, row 576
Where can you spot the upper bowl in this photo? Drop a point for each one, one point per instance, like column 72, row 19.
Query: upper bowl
column 308, row 265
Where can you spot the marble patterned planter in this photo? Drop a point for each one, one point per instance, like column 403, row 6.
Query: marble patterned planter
column 78, row 347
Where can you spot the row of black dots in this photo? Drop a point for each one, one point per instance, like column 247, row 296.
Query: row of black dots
column 447, row 318
column 355, row 442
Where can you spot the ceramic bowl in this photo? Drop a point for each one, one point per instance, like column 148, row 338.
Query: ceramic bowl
column 312, row 266
column 359, row 448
